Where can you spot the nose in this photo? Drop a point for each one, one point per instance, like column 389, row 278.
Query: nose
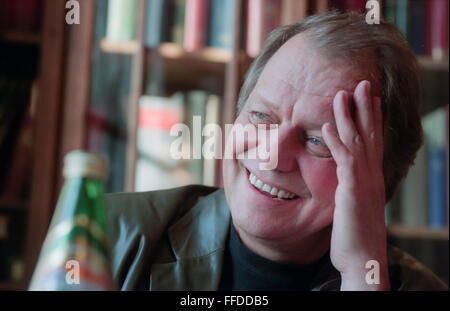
column 289, row 151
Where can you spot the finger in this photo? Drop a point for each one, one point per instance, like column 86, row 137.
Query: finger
column 344, row 123
column 378, row 128
column 365, row 119
column 341, row 155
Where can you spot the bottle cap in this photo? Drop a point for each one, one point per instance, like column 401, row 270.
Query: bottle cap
column 79, row 163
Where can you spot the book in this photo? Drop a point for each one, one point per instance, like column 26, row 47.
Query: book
column 438, row 28
column 402, row 16
column 27, row 15
column 121, row 20
column 6, row 15
column 397, row 12
column 158, row 20
column 293, row 11
column 416, row 26
column 358, row 6
column 263, row 16
column 221, row 24
column 390, row 9
column 156, row 167
column 393, row 208
column 212, row 118
column 179, row 8
column 434, row 132
column 20, row 16
column 196, row 24
column 447, row 151
column 195, row 118
column 414, row 193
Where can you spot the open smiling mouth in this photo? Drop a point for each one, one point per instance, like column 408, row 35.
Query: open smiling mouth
column 269, row 190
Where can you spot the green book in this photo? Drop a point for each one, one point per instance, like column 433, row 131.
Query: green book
column 178, row 25
column 195, row 119
column 121, row 22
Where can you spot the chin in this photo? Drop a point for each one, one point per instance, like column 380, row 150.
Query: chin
column 263, row 216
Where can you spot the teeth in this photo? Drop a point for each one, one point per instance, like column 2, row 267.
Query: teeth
column 281, row 194
column 274, row 191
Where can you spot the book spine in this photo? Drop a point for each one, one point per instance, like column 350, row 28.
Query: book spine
column 27, row 15
column 447, row 168
column 416, row 29
column 293, row 11
column 340, row 5
column 196, row 24
column 195, row 119
column 414, row 194
column 437, row 200
column 321, row 6
column 221, row 24
column 156, row 168
column 212, row 118
column 434, row 132
column 154, row 23
column 263, row 16
column 402, row 17
column 121, row 21
column 439, row 28
column 358, row 6
column 179, row 21
column 390, row 10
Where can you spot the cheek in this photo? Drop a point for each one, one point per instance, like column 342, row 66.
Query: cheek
column 242, row 138
column 320, row 178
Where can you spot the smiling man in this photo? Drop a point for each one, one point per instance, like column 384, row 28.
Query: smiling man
column 345, row 97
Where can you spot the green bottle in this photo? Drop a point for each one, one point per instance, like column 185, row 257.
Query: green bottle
column 76, row 251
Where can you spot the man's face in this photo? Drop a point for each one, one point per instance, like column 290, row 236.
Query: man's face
column 295, row 91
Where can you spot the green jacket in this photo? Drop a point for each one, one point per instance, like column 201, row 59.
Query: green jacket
column 175, row 240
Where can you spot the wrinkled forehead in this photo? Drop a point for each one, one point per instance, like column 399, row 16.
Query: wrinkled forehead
column 299, row 69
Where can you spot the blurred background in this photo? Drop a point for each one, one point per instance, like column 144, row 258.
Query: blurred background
column 116, row 83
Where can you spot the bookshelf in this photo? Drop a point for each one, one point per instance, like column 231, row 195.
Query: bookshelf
column 428, row 63
column 66, row 84
column 21, row 37
column 400, row 231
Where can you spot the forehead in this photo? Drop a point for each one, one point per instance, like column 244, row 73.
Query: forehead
column 297, row 74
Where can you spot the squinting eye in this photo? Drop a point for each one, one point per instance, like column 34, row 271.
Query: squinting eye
column 316, row 142
column 318, row 148
column 261, row 116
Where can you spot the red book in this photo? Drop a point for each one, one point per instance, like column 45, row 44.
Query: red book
column 6, row 14
column 263, row 16
column 358, row 6
column 27, row 15
column 196, row 24
column 438, row 28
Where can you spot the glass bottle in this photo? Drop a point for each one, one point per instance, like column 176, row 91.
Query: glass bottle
column 76, row 252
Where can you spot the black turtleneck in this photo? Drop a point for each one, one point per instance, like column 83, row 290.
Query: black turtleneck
column 244, row 270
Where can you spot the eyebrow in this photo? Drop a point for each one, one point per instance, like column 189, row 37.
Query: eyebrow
column 307, row 124
column 266, row 102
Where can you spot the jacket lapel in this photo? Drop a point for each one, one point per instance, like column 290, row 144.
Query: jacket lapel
column 198, row 242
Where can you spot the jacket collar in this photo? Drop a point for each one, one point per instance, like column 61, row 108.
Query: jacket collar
column 198, row 241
